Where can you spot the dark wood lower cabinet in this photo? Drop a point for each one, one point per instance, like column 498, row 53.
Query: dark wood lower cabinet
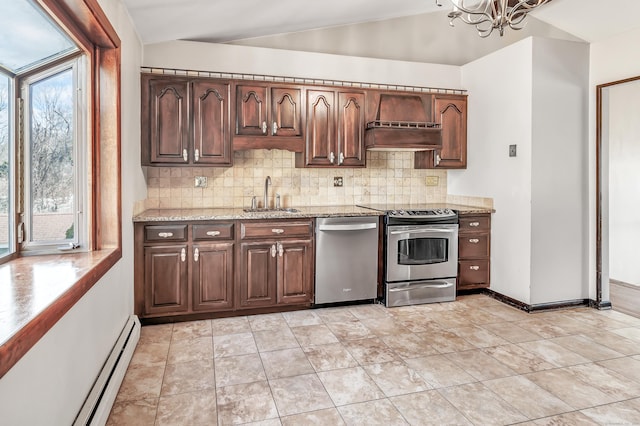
column 212, row 276
column 165, row 279
column 257, row 275
column 474, row 251
column 190, row 269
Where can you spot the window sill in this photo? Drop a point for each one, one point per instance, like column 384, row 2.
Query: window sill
column 36, row 291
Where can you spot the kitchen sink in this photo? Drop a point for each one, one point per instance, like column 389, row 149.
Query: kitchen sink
column 278, row 210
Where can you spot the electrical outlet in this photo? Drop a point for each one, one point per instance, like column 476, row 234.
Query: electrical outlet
column 433, row 180
column 200, row 181
column 337, row 181
column 512, row 150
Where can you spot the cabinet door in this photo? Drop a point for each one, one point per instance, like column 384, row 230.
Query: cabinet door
column 168, row 123
column 212, row 276
column 257, row 274
column 320, row 131
column 251, row 110
column 452, row 115
column 295, row 270
column 351, row 129
column 285, row 112
column 165, row 279
column 211, row 138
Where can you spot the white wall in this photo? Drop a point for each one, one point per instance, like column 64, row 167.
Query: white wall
column 532, row 94
column 624, row 180
column 499, row 114
column 49, row 384
column 559, row 216
column 199, row 56
column 613, row 59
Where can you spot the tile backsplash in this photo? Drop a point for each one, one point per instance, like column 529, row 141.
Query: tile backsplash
column 388, row 177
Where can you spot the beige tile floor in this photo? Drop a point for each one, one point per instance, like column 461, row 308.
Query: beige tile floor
column 472, row 361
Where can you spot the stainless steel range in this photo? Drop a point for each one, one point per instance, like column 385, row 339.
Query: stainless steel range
column 420, row 253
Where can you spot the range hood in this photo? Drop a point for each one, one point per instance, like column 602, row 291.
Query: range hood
column 402, row 124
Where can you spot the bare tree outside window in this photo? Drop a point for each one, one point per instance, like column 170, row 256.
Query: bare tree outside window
column 51, row 157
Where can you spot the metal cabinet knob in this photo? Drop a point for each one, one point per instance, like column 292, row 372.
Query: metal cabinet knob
column 264, row 127
column 340, row 159
column 474, row 240
column 213, row 233
column 185, row 155
column 474, row 224
column 332, row 157
column 277, row 231
column 474, row 267
column 196, row 155
column 165, row 234
column 275, row 128
column 183, row 254
column 196, row 255
column 280, row 250
column 273, row 250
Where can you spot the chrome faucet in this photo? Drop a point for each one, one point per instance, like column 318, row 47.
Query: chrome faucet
column 267, row 182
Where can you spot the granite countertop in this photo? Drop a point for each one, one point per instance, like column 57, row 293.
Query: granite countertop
column 233, row 213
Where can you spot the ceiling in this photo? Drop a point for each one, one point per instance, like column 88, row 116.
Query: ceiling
column 328, row 25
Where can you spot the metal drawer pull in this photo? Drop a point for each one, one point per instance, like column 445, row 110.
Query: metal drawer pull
column 474, row 240
column 196, row 254
column 185, row 155
column 165, row 234
column 474, row 224
column 280, row 250
column 277, row 231
column 474, row 267
column 420, row 287
column 273, row 250
column 213, row 233
column 183, row 254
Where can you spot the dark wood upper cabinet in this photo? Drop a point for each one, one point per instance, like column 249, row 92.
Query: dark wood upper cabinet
column 166, row 128
column 451, row 113
column 267, row 117
column 351, row 129
column 211, row 121
column 334, row 129
column 185, row 121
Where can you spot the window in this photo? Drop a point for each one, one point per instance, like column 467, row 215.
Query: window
column 6, row 234
column 54, row 158
column 43, row 193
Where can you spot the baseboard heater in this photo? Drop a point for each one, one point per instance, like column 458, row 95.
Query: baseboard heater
column 97, row 406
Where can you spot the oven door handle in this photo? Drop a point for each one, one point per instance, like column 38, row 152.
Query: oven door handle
column 420, row 231
column 442, row 284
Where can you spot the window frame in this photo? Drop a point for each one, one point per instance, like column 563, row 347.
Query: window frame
column 11, row 120
column 88, row 25
column 78, row 64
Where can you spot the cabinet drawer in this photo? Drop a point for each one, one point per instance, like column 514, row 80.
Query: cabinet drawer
column 298, row 229
column 165, row 233
column 475, row 223
column 217, row 231
column 473, row 245
column 473, row 271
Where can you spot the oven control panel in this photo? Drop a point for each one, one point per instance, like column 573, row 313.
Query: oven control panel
column 422, row 214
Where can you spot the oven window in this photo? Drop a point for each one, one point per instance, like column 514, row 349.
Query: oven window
column 423, row 251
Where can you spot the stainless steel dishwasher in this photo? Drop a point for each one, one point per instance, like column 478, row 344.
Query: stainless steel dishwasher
column 346, row 259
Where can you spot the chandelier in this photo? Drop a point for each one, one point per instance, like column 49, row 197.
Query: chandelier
column 489, row 15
